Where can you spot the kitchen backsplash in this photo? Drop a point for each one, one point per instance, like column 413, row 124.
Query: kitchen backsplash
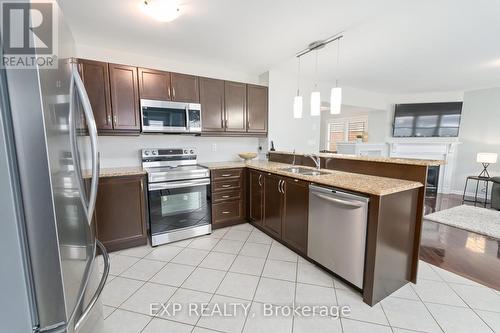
column 124, row 151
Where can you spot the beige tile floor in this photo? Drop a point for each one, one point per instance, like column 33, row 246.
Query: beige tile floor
column 240, row 264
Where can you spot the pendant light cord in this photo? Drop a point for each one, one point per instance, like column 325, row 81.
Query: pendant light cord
column 316, row 71
column 338, row 63
column 298, row 78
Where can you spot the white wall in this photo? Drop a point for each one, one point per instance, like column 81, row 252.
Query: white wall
column 479, row 132
column 288, row 133
column 140, row 59
column 123, row 151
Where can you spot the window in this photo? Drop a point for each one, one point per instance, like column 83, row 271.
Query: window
column 345, row 130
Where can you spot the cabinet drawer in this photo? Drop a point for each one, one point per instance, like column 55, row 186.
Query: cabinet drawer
column 225, row 211
column 227, row 173
column 226, row 185
column 224, row 196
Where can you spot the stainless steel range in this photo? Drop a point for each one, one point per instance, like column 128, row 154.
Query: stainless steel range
column 179, row 194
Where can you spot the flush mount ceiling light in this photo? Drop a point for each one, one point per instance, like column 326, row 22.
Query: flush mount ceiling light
column 336, row 93
column 161, row 10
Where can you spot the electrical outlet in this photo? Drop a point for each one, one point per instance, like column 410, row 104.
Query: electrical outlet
column 214, row 147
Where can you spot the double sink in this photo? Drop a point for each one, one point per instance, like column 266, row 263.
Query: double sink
column 304, row 171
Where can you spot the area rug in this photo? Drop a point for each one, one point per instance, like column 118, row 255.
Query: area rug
column 476, row 219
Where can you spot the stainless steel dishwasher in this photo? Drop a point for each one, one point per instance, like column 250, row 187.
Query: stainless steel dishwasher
column 337, row 232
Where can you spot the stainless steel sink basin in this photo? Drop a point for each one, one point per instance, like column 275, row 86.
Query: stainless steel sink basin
column 304, row 171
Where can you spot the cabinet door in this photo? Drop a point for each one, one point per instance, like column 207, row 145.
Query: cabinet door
column 272, row 205
column 120, row 212
column 257, row 100
column 154, row 84
column 235, row 106
column 184, row 88
column 124, row 98
column 256, row 196
column 212, row 105
column 295, row 214
column 95, row 76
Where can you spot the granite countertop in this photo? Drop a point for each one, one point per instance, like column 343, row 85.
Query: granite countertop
column 407, row 161
column 117, row 172
column 223, row 165
column 345, row 180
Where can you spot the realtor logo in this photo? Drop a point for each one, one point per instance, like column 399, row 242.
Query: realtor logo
column 29, row 34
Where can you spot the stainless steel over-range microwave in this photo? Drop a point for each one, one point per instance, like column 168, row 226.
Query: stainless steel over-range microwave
column 170, row 117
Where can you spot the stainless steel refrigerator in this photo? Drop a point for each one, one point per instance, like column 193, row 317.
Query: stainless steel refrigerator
column 50, row 279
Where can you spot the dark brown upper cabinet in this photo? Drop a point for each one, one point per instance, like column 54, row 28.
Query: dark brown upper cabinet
column 166, row 86
column 235, row 106
column 184, row 88
column 212, row 105
column 257, row 101
column 124, row 98
column 154, row 84
column 95, row 76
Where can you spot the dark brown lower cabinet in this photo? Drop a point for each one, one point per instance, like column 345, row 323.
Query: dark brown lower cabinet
column 256, row 185
column 273, row 201
column 228, row 197
column 285, row 208
column 120, row 213
column 295, row 214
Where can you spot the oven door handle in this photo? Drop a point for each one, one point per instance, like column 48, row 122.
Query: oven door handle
column 178, row 184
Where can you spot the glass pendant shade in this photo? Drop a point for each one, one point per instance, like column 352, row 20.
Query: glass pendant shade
column 336, row 100
column 297, row 107
column 315, row 103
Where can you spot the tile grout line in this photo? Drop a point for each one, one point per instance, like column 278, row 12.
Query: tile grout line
column 427, row 308
column 151, row 317
column 258, row 283
column 177, row 288
column 227, row 271
column 450, row 285
column 295, row 292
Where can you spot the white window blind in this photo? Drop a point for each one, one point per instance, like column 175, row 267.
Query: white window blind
column 345, row 130
column 355, row 127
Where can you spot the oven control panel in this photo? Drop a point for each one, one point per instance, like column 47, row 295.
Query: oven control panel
column 168, row 155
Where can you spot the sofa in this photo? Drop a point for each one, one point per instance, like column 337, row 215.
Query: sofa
column 495, row 193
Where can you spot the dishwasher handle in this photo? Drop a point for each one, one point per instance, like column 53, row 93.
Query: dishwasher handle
column 347, row 203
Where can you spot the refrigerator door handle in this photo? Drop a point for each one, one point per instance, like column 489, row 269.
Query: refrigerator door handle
column 98, row 292
column 89, row 116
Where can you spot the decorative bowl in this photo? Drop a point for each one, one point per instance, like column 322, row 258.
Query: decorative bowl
column 247, row 156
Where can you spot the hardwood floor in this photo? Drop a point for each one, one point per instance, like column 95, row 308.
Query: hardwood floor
column 468, row 254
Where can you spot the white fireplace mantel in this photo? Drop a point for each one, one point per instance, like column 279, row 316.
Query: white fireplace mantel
column 433, row 149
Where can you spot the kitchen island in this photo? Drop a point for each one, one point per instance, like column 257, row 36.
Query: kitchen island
column 277, row 203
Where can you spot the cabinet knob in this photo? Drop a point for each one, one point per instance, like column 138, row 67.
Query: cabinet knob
column 226, row 212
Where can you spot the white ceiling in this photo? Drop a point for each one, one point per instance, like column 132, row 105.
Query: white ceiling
column 390, row 46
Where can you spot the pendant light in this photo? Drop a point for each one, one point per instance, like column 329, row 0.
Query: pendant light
column 336, row 93
column 315, row 95
column 297, row 100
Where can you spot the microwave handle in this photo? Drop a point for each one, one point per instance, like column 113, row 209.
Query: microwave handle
column 188, row 125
